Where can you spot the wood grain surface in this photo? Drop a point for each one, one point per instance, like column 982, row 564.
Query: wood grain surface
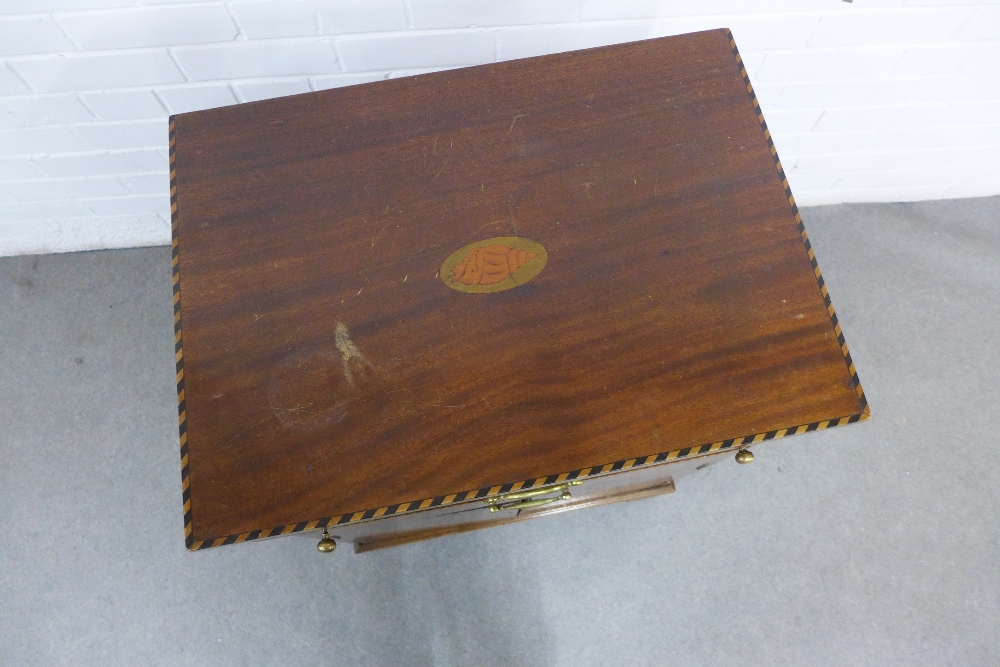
column 329, row 369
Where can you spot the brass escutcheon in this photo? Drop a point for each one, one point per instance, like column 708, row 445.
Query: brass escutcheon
column 525, row 504
column 531, row 493
column 497, row 503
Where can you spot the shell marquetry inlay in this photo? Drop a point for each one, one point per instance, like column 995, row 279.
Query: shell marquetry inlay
column 493, row 265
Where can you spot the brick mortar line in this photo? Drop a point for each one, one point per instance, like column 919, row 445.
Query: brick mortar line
column 186, row 85
column 910, row 78
column 83, row 54
column 221, row 3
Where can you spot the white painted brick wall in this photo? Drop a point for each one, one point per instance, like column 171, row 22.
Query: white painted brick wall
column 350, row 16
column 338, row 80
column 252, row 92
column 37, row 34
column 257, row 59
column 264, row 20
column 194, row 98
column 147, row 184
column 433, row 14
column 18, row 168
column 124, row 104
column 149, row 26
column 916, row 26
column 11, row 84
column 109, row 136
column 65, row 188
column 877, row 100
column 81, row 72
column 301, row 18
column 417, row 50
column 536, row 41
column 47, row 139
column 47, row 110
column 104, row 163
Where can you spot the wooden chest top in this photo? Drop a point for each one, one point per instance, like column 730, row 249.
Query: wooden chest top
column 423, row 290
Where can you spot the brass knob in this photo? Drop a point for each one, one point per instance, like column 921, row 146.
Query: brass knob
column 744, row 456
column 326, row 545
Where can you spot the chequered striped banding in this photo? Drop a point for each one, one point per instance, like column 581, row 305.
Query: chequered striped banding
column 439, row 501
column 824, row 292
column 477, row 494
column 179, row 347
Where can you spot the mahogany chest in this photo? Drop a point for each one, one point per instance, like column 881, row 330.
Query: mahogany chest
column 449, row 301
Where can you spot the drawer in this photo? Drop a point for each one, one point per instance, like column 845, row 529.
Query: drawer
column 633, row 484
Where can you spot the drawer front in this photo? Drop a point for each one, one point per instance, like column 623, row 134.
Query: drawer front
column 471, row 515
column 621, row 486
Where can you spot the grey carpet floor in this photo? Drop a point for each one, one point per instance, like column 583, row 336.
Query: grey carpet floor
column 872, row 544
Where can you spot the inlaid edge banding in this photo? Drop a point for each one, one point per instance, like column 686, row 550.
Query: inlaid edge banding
column 486, row 492
column 855, row 380
column 594, row 471
column 179, row 359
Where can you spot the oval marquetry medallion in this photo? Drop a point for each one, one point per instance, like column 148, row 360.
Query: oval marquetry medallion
column 493, row 265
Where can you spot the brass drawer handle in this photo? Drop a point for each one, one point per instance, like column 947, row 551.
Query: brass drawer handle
column 525, row 504
column 520, row 495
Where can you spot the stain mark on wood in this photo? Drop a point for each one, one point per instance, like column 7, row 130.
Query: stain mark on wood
column 348, row 351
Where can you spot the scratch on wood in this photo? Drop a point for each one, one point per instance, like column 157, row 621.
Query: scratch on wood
column 254, row 425
column 441, row 170
column 476, row 233
column 297, row 409
column 514, row 120
column 293, row 334
column 377, row 236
